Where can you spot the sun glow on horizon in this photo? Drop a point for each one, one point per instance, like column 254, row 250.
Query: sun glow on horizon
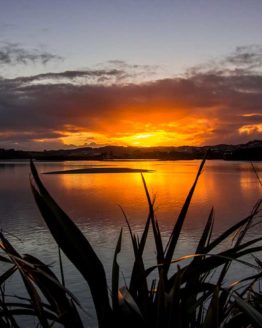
column 146, row 139
column 155, row 138
column 137, row 132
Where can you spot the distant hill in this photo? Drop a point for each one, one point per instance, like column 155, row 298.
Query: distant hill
column 249, row 151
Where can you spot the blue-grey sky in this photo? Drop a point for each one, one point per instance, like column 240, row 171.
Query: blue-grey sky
column 173, row 34
column 129, row 72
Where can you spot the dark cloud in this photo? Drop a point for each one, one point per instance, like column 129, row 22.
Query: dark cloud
column 91, row 75
column 140, row 72
column 13, row 53
column 126, row 66
column 210, row 106
column 80, row 77
column 25, row 139
column 248, row 57
column 245, row 60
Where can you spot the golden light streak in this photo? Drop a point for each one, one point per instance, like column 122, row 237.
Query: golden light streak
column 250, row 128
column 251, row 114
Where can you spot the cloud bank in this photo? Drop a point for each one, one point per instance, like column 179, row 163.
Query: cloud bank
column 217, row 103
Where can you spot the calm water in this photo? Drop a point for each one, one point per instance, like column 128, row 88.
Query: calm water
column 93, row 200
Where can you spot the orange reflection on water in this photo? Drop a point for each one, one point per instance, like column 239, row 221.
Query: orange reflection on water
column 226, row 186
column 169, row 181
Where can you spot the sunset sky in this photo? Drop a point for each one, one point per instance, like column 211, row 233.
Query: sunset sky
column 132, row 72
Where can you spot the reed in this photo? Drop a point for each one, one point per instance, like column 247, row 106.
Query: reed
column 182, row 296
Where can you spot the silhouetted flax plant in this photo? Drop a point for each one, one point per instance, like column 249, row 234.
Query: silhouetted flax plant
column 183, row 295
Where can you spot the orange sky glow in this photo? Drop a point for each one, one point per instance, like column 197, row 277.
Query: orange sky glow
column 194, row 110
column 159, row 132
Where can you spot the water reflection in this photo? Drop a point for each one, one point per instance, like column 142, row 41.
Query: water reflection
column 92, row 201
column 231, row 188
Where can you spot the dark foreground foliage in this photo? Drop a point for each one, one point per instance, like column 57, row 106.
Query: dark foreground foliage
column 186, row 294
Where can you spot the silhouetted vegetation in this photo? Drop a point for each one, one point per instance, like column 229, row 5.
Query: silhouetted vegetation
column 189, row 291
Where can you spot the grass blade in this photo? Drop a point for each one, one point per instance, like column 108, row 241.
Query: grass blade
column 157, row 236
column 254, row 316
column 206, row 235
column 54, row 292
column 75, row 246
column 115, row 274
column 181, row 218
column 61, row 266
column 232, row 229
